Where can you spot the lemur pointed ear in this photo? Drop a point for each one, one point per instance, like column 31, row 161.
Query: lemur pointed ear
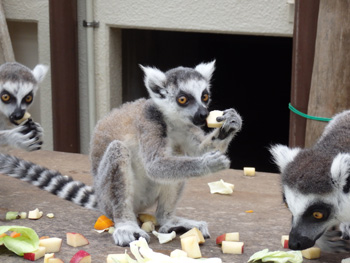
column 206, row 69
column 154, row 81
column 340, row 171
column 283, row 155
column 39, row 72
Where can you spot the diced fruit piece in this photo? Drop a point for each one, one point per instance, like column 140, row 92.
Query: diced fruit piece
column 55, row 260
column 194, row 232
column 345, row 260
column 23, row 215
column 81, row 257
column 25, row 117
column 164, row 237
column 232, row 247
column 285, row 241
column 233, row 236
column 50, row 215
column 249, row 211
column 178, row 253
column 12, row 215
column 148, row 226
column 311, row 253
column 211, row 119
column 121, row 258
column 52, row 244
column 48, row 256
column 15, row 234
column 147, row 217
column 76, row 239
column 249, row 171
column 221, row 187
column 32, row 256
column 111, row 230
column 35, row 214
column 103, row 222
column 191, row 247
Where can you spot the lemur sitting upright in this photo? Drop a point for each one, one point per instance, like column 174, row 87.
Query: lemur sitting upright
column 18, row 85
column 143, row 152
column 316, row 186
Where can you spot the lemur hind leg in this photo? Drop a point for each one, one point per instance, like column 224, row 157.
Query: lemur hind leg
column 169, row 195
column 113, row 184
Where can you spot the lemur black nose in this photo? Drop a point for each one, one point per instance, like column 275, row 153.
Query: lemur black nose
column 300, row 242
column 200, row 116
column 17, row 114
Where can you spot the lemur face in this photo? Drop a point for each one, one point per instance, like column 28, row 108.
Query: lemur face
column 183, row 94
column 18, row 85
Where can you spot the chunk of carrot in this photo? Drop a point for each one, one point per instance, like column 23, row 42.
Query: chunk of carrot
column 15, row 234
column 103, row 222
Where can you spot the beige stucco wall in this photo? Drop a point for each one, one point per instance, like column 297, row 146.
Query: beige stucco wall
column 256, row 17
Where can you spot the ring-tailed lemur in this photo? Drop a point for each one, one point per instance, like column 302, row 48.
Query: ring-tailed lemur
column 316, row 187
column 18, row 85
column 143, row 152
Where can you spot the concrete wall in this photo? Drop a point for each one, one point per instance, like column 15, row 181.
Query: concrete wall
column 254, row 17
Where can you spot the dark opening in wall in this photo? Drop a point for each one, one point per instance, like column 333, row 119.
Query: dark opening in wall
column 253, row 75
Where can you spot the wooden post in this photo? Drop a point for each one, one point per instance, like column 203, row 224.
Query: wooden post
column 6, row 50
column 330, row 84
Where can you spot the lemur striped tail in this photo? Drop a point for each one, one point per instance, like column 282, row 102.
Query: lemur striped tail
column 49, row 180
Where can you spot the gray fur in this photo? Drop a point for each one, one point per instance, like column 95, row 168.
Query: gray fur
column 318, row 180
column 143, row 152
column 19, row 82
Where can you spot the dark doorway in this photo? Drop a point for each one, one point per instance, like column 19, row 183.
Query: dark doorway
column 253, row 75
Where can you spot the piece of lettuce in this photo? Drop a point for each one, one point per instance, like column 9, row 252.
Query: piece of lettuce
column 27, row 242
column 277, row 256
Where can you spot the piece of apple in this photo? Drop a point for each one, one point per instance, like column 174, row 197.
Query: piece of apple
column 52, row 244
column 311, row 253
column 285, row 241
column 55, row 260
column 81, row 257
column 32, row 256
column 35, row 214
column 194, row 232
column 76, row 239
column 48, row 256
column 211, row 119
column 178, row 253
column 249, row 171
column 232, row 247
column 147, row 217
column 233, row 236
column 120, row 258
column 191, row 247
column 148, row 226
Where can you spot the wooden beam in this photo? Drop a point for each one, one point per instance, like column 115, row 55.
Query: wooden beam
column 6, row 50
column 305, row 28
column 64, row 72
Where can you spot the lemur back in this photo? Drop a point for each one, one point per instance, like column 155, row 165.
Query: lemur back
column 316, row 186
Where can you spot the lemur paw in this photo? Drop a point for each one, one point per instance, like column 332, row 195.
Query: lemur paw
column 332, row 242
column 216, row 161
column 29, row 140
column 232, row 123
column 345, row 230
column 127, row 232
column 179, row 225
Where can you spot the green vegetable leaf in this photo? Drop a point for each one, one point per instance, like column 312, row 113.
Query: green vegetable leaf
column 277, row 256
column 27, row 242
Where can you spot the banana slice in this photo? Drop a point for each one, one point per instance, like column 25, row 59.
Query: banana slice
column 26, row 116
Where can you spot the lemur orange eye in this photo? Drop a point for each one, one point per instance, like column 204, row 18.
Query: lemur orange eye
column 29, row 98
column 205, row 97
column 182, row 100
column 5, row 97
column 317, row 215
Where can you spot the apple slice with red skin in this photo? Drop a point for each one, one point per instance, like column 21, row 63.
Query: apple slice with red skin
column 32, row 256
column 285, row 241
column 52, row 244
column 76, row 239
column 234, row 236
column 81, row 257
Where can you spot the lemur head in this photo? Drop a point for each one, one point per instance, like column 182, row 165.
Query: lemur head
column 182, row 94
column 315, row 188
column 18, row 85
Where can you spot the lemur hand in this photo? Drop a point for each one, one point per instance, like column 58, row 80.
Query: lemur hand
column 28, row 136
column 232, row 123
column 215, row 161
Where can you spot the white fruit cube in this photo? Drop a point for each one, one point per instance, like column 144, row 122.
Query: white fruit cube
column 194, row 232
column 147, row 217
column 55, row 260
column 232, row 247
column 32, row 256
column 211, row 119
column 81, row 257
column 191, row 247
column 249, row 171
column 48, row 256
column 52, row 244
column 148, row 226
column 35, row 214
column 285, row 241
column 178, row 253
column 121, row 258
column 76, row 239
column 311, row 253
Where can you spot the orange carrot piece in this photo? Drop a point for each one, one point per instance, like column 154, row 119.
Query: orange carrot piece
column 3, row 235
column 15, row 234
column 103, row 222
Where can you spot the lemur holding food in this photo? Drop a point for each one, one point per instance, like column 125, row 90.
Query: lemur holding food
column 18, row 86
column 316, row 187
column 143, row 152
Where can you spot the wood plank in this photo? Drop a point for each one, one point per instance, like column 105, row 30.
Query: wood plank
column 6, row 50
